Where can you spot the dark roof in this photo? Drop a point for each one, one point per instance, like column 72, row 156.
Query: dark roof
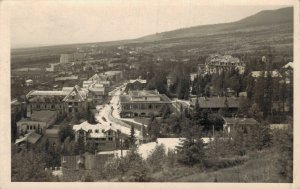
column 127, row 98
column 43, row 115
column 216, row 102
column 31, row 138
column 124, row 98
column 240, row 121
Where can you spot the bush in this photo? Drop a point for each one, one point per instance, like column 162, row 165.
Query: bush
column 132, row 165
column 220, row 163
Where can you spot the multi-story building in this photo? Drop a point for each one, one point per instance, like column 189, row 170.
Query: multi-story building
column 215, row 104
column 143, row 103
column 105, row 138
column 217, row 64
column 67, row 102
column 114, row 75
column 97, row 89
column 136, row 84
column 65, row 58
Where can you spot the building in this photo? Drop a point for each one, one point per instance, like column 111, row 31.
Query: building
column 232, row 124
column 69, row 101
column 105, row 138
column 201, row 69
column 114, row 75
column 39, row 121
column 52, row 134
column 66, row 78
column 143, row 103
column 289, row 65
column 136, row 84
column 193, row 76
column 97, row 88
column 98, row 93
column 65, row 58
column 216, row 63
column 257, row 74
column 215, row 104
column 171, row 78
column 29, row 82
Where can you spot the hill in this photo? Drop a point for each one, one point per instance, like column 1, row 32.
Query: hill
column 263, row 18
column 253, row 34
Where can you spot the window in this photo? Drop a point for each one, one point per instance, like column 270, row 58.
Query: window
column 70, row 109
column 150, row 106
column 76, row 103
column 110, row 139
column 30, row 127
column 70, row 103
column 34, row 127
column 52, row 106
column 109, row 132
column 27, row 127
column 97, row 131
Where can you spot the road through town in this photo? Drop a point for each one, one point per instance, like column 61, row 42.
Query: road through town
column 108, row 114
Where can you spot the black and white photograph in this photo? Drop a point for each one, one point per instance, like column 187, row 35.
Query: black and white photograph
column 150, row 92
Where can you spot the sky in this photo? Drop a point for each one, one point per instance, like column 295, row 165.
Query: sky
column 39, row 23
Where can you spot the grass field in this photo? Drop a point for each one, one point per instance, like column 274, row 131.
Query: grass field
column 261, row 167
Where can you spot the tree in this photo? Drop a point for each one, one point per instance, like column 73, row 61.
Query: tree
column 65, row 132
column 191, row 152
column 29, row 166
column 153, row 129
column 157, row 158
column 226, row 107
column 268, row 95
column 284, row 145
column 91, row 118
column 165, row 111
column 91, row 147
column 132, row 138
column 80, row 144
column 250, row 87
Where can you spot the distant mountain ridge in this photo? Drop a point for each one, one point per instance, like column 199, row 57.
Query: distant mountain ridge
column 263, row 18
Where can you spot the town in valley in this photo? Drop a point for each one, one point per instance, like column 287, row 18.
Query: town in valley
column 177, row 106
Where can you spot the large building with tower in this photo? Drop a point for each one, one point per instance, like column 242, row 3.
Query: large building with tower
column 217, row 63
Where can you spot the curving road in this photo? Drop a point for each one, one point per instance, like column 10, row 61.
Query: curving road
column 108, row 114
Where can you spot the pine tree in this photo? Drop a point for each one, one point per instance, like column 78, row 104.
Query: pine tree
column 268, row 95
column 132, row 138
column 153, row 129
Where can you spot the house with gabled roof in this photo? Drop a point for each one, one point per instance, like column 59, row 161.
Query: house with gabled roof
column 105, row 137
column 67, row 102
column 136, row 84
